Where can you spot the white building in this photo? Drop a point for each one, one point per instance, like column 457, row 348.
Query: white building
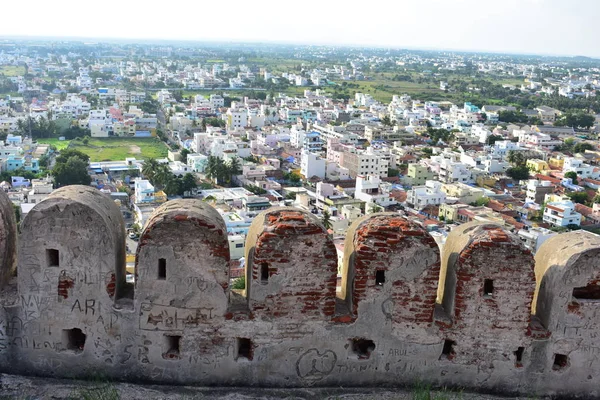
column 582, row 169
column 371, row 189
column 561, row 213
column 428, row 194
column 312, row 165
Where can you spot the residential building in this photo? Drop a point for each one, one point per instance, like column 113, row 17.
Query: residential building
column 312, row 165
column 429, row 194
column 561, row 213
column 371, row 189
column 144, row 191
column 537, row 190
column 417, row 175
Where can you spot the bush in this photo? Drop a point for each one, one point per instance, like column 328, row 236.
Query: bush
column 239, row 283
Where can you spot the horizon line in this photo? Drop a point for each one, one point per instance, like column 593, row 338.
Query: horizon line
column 133, row 40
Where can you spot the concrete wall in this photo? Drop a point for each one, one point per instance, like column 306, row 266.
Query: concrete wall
column 503, row 321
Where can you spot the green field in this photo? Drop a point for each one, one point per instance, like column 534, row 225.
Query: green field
column 12, row 70
column 59, row 144
column 118, row 149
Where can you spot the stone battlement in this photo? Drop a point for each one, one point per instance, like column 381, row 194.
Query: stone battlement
column 485, row 314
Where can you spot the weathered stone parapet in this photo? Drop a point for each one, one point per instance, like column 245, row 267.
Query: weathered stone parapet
column 485, row 315
column 8, row 239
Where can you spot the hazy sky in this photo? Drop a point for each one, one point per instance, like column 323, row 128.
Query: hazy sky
column 562, row 27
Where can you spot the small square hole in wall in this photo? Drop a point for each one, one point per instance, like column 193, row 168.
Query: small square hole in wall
column 171, row 345
column 264, row 273
column 488, row 288
column 362, row 348
column 53, row 257
column 448, row 349
column 379, row 277
column 561, row 361
column 162, row 269
column 73, row 339
column 519, row 357
column 244, row 349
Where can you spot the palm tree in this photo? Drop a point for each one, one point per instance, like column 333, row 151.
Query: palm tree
column 326, row 220
column 216, row 169
column 234, row 168
column 149, row 168
column 162, row 175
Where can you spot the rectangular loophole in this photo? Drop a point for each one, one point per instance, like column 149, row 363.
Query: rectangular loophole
column 264, row 273
column 362, row 348
column 448, row 349
column 561, row 361
column 244, row 349
column 379, row 277
column 589, row 292
column 53, row 257
column 171, row 346
column 73, row 339
column 162, row 268
column 488, row 288
column 519, row 357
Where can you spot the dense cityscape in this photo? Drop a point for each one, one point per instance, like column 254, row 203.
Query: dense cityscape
column 444, row 138
column 364, row 147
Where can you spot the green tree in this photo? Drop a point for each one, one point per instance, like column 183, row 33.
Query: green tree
column 393, row 172
column 162, row 176
column 493, row 139
column 189, row 182
column 216, row 169
column 573, row 176
column 233, row 168
column 582, row 147
column 72, row 172
column 516, row 158
column 68, row 153
column 184, row 154
column 518, row 173
column 326, row 219
column 173, row 186
column 578, row 197
column 149, row 168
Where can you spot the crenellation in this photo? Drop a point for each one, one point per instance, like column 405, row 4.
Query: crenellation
column 485, row 314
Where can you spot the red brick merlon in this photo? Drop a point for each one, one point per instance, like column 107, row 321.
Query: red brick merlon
column 484, row 269
column 393, row 261
column 291, row 267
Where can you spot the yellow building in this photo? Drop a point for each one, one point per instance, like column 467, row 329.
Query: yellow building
column 557, row 162
column 539, row 166
column 462, row 192
column 160, row 196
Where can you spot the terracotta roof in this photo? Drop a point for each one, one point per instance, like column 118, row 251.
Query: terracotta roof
column 583, row 210
column 496, row 205
column 547, row 178
column 398, row 195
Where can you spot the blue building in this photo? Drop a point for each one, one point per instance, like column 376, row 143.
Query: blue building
column 28, row 163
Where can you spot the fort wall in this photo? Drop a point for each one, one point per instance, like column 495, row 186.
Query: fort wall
column 484, row 315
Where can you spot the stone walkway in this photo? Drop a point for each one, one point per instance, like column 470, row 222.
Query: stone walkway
column 29, row 388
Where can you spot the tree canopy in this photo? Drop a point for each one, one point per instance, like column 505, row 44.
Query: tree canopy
column 73, row 171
